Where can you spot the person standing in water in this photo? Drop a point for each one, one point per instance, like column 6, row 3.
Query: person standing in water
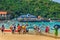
column 47, row 29
column 14, row 28
column 2, row 28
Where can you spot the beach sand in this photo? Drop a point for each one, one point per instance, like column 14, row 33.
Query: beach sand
column 16, row 36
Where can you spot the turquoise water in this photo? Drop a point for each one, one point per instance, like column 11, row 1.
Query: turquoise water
column 30, row 24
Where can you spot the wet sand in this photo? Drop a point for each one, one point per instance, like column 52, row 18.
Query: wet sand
column 16, row 36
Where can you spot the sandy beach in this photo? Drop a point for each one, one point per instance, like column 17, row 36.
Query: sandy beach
column 16, row 36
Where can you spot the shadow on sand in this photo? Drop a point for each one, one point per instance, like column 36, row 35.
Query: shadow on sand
column 52, row 36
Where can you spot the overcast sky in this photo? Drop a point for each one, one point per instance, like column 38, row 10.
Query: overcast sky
column 57, row 1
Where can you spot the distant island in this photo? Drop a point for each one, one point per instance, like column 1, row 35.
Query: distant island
column 43, row 8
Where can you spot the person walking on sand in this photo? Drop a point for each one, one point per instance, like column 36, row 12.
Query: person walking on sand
column 2, row 28
column 19, row 28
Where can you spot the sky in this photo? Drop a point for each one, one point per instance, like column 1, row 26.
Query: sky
column 57, row 1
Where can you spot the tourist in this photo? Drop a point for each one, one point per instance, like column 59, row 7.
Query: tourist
column 2, row 28
column 56, row 30
column 12, row 28
column 37, row 29
column 19, row 28
column 47, row 29
column 23, row 29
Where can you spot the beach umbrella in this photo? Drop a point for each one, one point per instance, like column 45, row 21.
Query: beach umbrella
column 57, row 26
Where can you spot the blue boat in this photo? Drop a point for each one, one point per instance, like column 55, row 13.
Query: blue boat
column 30, row 18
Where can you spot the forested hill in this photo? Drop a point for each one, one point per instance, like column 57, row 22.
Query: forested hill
column 44, row 8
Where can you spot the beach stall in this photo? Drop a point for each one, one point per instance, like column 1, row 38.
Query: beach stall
column 4, row 15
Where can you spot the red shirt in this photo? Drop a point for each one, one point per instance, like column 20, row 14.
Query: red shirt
column 19, row 27
column 47, row 29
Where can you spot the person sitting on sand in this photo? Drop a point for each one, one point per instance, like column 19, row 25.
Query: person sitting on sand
column 2, row 28
column 19, row 28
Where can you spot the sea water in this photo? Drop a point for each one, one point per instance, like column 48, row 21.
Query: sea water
column 31, row 25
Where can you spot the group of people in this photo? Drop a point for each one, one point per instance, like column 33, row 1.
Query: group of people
column 18, row 28
column 39, row 30
column 15, row 28
column 46, row 29
column 22, row 29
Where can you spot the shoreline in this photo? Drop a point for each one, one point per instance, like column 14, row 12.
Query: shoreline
column 16, row 36
column 34, row 33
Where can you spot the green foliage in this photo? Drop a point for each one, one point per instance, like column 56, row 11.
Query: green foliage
column 44, row 8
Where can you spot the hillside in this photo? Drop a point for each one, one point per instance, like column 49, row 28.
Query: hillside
column 44, row 8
